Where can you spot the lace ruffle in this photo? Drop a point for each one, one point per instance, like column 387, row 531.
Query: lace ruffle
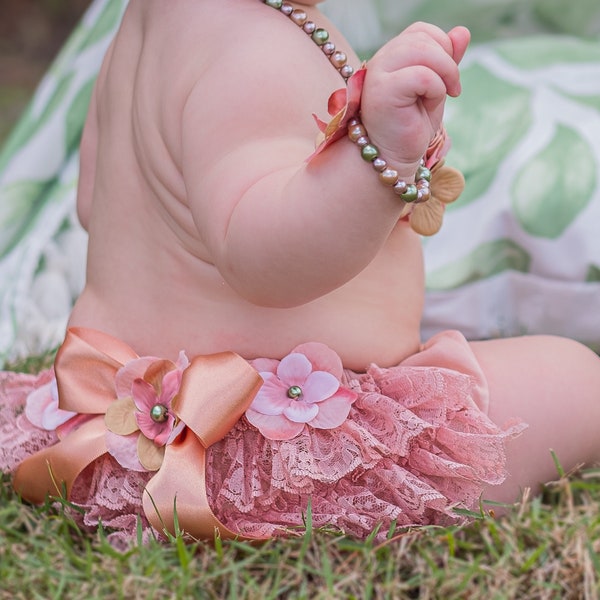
column 416, row 445
column 18, row 437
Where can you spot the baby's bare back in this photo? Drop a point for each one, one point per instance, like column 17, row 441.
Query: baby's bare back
column 153, row 279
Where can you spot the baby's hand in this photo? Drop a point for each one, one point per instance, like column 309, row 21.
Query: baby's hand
column 405, row 90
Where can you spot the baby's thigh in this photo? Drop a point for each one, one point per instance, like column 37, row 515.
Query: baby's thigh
column 553, row 385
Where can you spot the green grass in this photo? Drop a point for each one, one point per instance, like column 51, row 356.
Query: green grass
column 544, row 548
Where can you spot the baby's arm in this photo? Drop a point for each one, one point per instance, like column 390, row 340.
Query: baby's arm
column 282, row 232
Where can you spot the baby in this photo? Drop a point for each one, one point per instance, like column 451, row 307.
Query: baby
column 210, row 231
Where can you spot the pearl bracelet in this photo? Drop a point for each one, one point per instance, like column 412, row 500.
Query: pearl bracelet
column 409, row 192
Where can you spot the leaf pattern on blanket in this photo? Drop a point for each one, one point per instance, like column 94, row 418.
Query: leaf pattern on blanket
column 593, row 274
column 552, row 190
column 485, row 128
column 32, row 121
column 38, row 177
column 537, row 52
column 20, row 203
column 104, row 22
column 580, row 19
column 76, row 114
column 486, row 260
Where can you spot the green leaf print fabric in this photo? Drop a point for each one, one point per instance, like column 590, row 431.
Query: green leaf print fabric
column 42, row 247
column 519, row 252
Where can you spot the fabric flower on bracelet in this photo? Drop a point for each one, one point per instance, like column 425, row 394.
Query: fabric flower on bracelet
column 140, row 422
column 446, row 185
column 302, row 390
column 425, row 213
column 343, row 105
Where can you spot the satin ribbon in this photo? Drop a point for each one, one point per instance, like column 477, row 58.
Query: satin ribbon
column 215, row 392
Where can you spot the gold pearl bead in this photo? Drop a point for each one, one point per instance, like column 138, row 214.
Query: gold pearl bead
column 338, row 59
column 356, row 131
column 299, row 17
column 389, row 177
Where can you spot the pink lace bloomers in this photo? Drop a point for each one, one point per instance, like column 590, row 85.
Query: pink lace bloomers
column 247, row 448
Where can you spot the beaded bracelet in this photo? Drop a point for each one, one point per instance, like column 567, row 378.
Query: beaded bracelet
column 409, row 192
column 423, row 207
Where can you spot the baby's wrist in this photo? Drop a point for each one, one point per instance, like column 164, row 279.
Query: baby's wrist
column 411, row 183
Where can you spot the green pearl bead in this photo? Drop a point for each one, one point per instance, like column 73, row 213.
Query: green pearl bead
column 423, row 173
column 320, row 36
column 159, row 413
column 411, row 193
column 274, row 3
column 294, row 392
column 369, row 152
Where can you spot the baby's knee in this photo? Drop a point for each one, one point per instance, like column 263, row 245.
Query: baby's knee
column 570, row 357
column 569, row 349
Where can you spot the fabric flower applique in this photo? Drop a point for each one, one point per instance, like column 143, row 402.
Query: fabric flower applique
column 42, row 410
column 141, row 422
column 447, row 184
column 41, row 407
column 302, row 390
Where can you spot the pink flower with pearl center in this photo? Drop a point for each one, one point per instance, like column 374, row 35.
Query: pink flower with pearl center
column 302, row 390
column 141, row 422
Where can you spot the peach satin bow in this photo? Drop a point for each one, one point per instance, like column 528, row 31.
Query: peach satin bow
column 215, row 392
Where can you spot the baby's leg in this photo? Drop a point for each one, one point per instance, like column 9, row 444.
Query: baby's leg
column 553, row 384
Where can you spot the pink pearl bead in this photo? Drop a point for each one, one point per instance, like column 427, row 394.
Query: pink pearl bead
column 423, row 194
column 309, row 27
column 346, row 71
column 379, row 164
column 400, row 188
column 328, row 48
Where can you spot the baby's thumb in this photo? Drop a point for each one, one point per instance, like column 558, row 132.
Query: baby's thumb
column 460, row 37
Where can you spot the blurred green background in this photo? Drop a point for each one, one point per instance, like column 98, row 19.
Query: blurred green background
column 31, row 33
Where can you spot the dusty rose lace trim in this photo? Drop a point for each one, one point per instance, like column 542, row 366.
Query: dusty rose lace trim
column 415, row 446
column 18, row 437
column 107, row 493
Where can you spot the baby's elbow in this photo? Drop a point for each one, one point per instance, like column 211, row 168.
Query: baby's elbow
column 269, row 293
column 273, row 299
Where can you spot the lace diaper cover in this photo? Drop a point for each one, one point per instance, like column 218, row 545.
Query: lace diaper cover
column 140, row 437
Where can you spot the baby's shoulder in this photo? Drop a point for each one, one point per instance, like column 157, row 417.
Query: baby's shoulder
column 259, row 54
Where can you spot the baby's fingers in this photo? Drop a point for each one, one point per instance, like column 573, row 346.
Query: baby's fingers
column 460, row 38
column 419, row 84
column 424, row 45
column 434, row 32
